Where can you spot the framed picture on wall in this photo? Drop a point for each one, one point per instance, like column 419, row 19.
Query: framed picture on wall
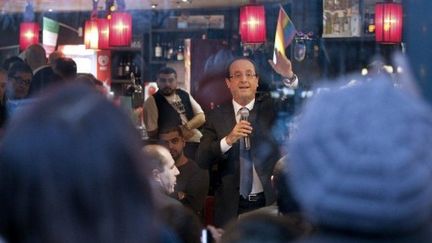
column 341, row 18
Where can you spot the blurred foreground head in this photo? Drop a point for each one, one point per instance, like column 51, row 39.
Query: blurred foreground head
column 361, row 159
column 68, row 173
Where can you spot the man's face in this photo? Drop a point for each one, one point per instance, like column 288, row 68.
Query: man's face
column 3, row 78
column 243, row 81
column 167, row 83
column 167, row 177
column 20, row 84
column 174, row 143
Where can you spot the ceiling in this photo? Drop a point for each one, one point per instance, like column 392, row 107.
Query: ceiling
column 7, row 6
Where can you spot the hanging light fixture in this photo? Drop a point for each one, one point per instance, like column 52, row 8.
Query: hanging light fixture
column 252, row 24
column 91, row 30
column 103, row 28
column 29, row 34
column 120, row 31
column 91, row 34
column 29, row 30
column 388, row 22
column 120, row 28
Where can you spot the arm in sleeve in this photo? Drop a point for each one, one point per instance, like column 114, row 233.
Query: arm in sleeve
column 199, row 118
column 151, row 116
column 209, row 149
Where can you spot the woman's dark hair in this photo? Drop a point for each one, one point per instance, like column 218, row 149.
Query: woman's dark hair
column 69, row 173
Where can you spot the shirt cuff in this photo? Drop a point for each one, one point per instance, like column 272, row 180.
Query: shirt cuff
column 291, row 83
column 224, row 145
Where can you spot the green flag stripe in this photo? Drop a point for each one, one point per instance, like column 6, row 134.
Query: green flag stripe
column 50, row 25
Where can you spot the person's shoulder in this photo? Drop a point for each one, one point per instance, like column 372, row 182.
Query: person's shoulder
column 150, row 101
column 218, row 110
column 45, row 70
column 182, row 91
column 192, row 165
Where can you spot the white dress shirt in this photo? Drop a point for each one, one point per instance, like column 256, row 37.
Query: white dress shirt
column 256, row 182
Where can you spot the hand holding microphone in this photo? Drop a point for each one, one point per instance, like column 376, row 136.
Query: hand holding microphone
column 241, row 130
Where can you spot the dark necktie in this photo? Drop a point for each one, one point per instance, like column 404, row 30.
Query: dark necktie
column 245, row 170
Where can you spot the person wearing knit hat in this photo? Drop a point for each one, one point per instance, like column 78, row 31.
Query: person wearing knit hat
column 362, row 161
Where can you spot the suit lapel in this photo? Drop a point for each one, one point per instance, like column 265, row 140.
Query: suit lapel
column 228, row 116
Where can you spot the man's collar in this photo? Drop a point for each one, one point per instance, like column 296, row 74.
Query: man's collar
column 237, row 106
column 39, row 68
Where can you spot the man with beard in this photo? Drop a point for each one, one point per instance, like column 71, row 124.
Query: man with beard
column 192, row 182
column 171, row 107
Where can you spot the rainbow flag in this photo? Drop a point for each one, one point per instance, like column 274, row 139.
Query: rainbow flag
column 285, row 33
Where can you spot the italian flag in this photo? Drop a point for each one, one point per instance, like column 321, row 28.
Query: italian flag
column 49, row 34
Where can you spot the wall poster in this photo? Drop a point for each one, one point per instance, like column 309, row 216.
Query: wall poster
column 341, row 18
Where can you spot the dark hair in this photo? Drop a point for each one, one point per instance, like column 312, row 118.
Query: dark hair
column 74, row 178
column 228, row 66
column 10, row 61
column 171, row 129
column 89, row 79
column 167, row 70
column 285, row 199
column 260, row 227
column 183, row 221
column 19, row 67
column 65, row 67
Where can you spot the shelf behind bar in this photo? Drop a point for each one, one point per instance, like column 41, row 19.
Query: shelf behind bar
column 185, row 30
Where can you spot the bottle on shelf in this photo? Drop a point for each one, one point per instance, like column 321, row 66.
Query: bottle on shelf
column 120, row 69
column 170, row 51
column 135, row 70
column 127, row 67
column 180, row 55
column 158, row 51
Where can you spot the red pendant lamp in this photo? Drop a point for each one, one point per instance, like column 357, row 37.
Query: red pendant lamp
column 91, row 34
column 29, row 34
column 252, row 24
column 388, row 22
column 103, row 28
column 120, row 29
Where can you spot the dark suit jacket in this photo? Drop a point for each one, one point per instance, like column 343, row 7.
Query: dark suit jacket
column 43, row 79
column 264, row 148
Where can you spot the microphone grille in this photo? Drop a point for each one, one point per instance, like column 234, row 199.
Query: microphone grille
column 244, row 112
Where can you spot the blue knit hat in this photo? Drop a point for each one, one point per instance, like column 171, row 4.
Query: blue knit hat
column 362, row 159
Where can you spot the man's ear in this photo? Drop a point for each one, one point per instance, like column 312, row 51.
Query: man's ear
column 156, row 173
column 227, row 81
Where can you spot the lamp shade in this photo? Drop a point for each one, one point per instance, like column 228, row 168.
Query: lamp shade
column 252, row 24
column 120, row 31
column 388, row 23
column 28, row 35
column 91, row 34
column 103, row 28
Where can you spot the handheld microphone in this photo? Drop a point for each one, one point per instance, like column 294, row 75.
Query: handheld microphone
column 244, row 116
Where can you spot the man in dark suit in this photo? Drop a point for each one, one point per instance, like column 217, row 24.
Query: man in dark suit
column 223, row 132
column 43, row 74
